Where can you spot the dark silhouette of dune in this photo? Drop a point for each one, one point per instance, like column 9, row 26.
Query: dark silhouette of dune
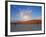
column 29, row 22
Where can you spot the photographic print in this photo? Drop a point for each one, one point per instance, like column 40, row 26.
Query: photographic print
column 25, row 18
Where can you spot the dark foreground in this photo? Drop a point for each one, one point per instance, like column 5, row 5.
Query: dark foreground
column 27, row 27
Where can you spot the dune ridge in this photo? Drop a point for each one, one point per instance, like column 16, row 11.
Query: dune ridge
column 29, row 22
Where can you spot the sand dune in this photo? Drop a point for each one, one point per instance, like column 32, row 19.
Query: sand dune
column 29, row 22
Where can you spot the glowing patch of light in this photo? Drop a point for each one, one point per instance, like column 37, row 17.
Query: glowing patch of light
column 25, row 18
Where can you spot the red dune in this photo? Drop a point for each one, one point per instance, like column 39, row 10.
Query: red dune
column 29, row 22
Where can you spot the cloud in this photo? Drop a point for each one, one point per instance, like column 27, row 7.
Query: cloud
column 26, row 13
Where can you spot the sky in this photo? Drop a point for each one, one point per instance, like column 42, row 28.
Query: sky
column 22, row 12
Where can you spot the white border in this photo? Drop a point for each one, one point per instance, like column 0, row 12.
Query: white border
column 26, row 32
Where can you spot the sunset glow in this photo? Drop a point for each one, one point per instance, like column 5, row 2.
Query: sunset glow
column 25, row 18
